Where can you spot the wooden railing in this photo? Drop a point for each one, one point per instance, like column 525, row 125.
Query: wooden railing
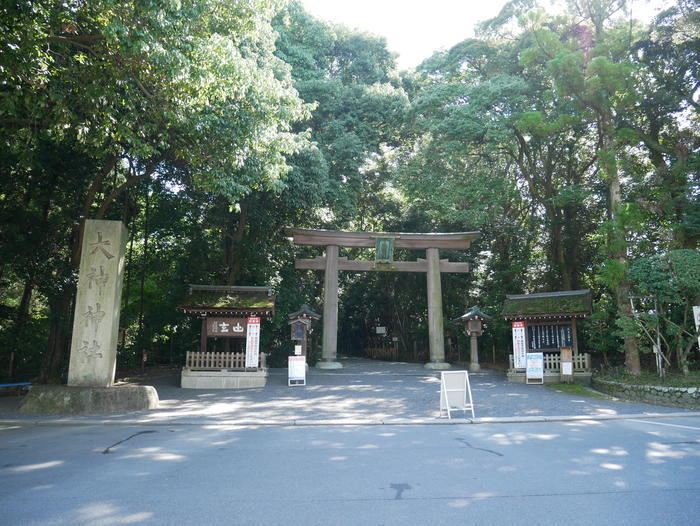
column 552, row 362
column 220, row 361
column 381, row 353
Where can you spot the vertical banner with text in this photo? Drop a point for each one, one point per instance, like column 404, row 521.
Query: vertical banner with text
column 252, row 343
column 519, row 347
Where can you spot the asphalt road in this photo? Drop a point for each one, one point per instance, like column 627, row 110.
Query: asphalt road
column 619, row 472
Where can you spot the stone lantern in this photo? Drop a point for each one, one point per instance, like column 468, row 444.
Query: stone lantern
column 474, row 323
column 300, row 325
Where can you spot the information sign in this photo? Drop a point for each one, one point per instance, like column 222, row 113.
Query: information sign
column 519, row 347
column 534, row 373
column 226, row 327
column 566, row 357
column 696, row 314
column 296, row 366
column 252, row 343
column 454, row 392
column 381, row 330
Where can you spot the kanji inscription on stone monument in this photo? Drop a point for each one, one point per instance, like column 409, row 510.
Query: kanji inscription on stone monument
column 98, row 301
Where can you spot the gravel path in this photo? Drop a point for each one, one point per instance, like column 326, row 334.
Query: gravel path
column 363, row 391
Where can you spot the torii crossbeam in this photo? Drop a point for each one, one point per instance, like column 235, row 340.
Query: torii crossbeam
column 384, row 242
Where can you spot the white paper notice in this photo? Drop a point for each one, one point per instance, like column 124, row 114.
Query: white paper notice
column 252, row 343
column 519, row 347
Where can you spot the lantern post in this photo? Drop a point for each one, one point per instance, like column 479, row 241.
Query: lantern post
column 474, row 324
column 300, row 324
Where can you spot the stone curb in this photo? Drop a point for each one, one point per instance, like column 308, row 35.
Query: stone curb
column 342, row 422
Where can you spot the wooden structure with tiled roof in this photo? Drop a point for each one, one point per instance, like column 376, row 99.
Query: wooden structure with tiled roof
column 226, row 313
column 550, row 319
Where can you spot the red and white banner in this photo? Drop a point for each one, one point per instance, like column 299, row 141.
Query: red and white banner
column 519, row 346
column 252, row 342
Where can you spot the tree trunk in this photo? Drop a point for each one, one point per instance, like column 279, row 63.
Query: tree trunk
column 233, row 253
column 58, row 331
column 618, row 245
column 144, row 260
column 20, row 321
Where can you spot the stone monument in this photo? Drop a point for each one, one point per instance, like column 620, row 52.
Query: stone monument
column 93, row 354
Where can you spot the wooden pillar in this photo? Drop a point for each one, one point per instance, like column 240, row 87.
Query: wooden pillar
column 329, row 351
column 435, row 323
column 203, row 337
column 474, row 359
column 574, row 337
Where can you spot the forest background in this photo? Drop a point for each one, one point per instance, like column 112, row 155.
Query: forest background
column 569, row 140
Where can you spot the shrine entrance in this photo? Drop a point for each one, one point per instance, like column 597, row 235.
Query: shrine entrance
column 384, row 243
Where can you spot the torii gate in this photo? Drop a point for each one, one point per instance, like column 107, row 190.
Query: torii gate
column 384, row 243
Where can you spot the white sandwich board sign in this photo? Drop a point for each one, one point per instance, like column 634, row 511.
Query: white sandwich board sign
column 296, row 367
column 534, row 372
column 455, row 392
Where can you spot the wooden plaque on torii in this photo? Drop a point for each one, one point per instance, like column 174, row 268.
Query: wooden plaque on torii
column 432, row 265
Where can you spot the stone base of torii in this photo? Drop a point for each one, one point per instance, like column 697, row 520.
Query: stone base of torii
column 432, row 265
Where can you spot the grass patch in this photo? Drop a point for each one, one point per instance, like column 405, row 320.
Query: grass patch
column 647, row 378
column 576, row 390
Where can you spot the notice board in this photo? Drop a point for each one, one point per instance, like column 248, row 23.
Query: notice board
column 252, row 344
column 296, row 367
column 534, row 372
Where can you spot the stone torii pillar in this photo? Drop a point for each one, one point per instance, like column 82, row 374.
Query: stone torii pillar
column 329, row 353
column 433, row 266
column 436, row 336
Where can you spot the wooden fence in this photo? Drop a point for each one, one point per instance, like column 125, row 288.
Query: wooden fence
column 552, row 362
column 383, row 353
column 220, row 361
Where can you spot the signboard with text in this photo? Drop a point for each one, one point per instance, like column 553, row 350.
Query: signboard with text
column 226, row 327
column 519, row 347
column 252, row 343
column 296, row 370
column 534, row 373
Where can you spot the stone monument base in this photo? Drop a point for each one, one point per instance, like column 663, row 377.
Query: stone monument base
column 437, row 366
column 63, row 399
column 222, row 379
column 328, row 365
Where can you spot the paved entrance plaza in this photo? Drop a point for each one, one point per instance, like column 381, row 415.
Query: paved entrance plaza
column 363, row 392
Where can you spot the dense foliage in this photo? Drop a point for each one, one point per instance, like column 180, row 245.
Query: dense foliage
column 570, row 141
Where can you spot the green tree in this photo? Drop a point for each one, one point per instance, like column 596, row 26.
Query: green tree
column 128, row 87
column 673, row 279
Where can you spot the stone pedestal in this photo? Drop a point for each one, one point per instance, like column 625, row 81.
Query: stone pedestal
column 62, row 399
column 93, row 353
column 328, row 365
column 222, row 379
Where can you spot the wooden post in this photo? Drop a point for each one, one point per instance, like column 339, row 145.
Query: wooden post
column 474, row 359
column 574, row 337
column 329, row 352
column 435, row 322
column 203, row 338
